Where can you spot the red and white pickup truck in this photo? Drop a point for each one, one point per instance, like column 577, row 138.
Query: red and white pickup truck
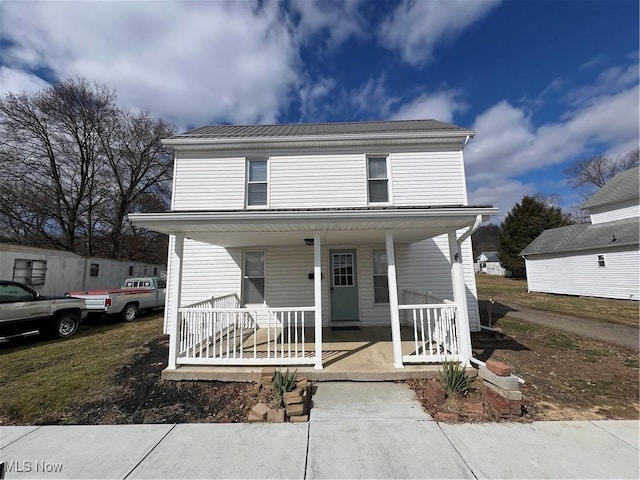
column 135, row 295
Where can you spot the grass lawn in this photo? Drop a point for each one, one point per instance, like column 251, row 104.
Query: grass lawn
column 515, row 291
column 41, row 378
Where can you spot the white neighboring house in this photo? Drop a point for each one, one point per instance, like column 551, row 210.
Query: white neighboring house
column 597, row 259
column 55, row 272
column 487, row 262
column 292, row 228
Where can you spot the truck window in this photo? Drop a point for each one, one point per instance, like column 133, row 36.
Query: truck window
column 147, row 284
column 129, row 284
column 162, row 284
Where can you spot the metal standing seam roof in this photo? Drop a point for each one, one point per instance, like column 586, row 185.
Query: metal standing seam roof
column 320, row 129
column 623, row 186
column 586, row 236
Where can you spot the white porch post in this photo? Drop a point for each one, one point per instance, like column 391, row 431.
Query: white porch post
column 393, row 301
column 176, row 294
column 459, row 297
column 317, row 294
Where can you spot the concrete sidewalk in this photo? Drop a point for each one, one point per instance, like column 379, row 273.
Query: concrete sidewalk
column 357, row 430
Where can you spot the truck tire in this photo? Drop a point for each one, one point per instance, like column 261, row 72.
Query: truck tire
column 129, row 312
column 65, row 325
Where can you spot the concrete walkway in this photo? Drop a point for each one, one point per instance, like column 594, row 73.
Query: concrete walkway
column 617, row 334
column 357, row 430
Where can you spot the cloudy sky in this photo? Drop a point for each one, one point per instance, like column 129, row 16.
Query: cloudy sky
column 543, row 83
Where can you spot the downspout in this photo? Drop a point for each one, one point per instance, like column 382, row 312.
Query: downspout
column 466, row 140
column 462, row 238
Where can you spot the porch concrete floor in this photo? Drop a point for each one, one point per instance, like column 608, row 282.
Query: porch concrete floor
column 358, row 355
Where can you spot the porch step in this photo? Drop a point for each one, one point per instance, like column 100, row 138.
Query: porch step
column 252, row 374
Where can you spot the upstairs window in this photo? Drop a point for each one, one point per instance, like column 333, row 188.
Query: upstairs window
column 30, row 272
column 380, row 277
column 253, row 288
column 377, row 180
column 257, row 182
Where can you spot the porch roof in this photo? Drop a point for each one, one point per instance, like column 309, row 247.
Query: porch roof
column 237, row 228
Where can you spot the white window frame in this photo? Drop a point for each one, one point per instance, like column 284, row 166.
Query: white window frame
column 374, row 275
column 35, row 272
column 387, row 159
column 601, row 258
column 248, row 182
column 245, row 276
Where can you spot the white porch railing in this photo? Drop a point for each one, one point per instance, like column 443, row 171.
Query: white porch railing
column 434, row 327
column 212, row 334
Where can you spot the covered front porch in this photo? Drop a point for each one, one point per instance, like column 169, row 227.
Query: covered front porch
column 364, row 354
column 221, row 338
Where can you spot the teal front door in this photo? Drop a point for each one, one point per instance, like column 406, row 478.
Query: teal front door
column 344, row 286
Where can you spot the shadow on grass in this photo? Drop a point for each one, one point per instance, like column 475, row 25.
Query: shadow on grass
column 485, row 343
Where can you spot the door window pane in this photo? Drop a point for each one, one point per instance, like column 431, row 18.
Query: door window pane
column 343, row 275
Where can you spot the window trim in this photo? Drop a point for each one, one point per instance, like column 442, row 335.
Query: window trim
column 247, row 182
column 244, row 275
column 602, row 258
column 387, row 159
column 42, row 271
column 374, row 274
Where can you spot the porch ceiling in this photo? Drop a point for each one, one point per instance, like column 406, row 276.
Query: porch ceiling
column 338, row 227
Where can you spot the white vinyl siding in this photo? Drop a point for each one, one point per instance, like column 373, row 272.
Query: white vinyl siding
column 318, row 181
column 208, row 271
column 424, row 267
column 428, row 178
column 209, row 183
column 580, row 274
column 617, row 211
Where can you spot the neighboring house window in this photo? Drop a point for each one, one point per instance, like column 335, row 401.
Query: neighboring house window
column 601, row 261
column 257, row 185
column 483, row 264
column 253, row 288
column 155, row 271
column 377, row 180
column 131, row 270
column 94, row 270
column 30, row 272
column 380, row 277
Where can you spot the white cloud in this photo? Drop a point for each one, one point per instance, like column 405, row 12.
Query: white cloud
column 440, row 105
column 612, row 80
column 192, row 63
column 507, row 141
column 339, row 20
column 502, row 193
column 373, row 98
column 417, row 27
column 15, row 81
column 313, row 97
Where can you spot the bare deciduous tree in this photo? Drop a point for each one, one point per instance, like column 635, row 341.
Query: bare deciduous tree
column 588, row 175
column 73, row 164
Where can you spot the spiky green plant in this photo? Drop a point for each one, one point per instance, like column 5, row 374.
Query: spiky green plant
column 454, row 377
column 283, row 383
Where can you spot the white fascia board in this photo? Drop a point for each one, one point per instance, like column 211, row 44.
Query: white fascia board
column 234, row 143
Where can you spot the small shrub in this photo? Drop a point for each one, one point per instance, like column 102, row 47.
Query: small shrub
column 454, row 378
column 283, row 383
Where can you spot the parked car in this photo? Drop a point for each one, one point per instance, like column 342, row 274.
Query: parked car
column 23, row 310
column 135, row 295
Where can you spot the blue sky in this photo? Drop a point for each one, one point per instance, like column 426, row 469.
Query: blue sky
column 543, row 83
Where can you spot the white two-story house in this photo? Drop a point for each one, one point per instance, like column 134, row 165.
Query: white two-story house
column 282, row 235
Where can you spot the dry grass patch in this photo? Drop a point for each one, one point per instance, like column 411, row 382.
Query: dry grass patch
column 513, row 290
column 42, row 378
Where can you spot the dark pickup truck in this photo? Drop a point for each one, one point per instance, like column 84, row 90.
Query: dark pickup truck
column 23, row 310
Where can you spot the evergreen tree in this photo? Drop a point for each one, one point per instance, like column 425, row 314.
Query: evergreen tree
column 524, row 222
